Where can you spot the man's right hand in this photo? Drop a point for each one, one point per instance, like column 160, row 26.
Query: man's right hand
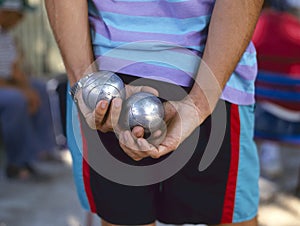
column 105, row 116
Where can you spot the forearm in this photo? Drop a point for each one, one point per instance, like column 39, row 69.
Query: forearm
column 230, row 31
column 69, row 22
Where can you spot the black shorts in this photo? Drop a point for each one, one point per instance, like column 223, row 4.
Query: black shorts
column 225, row 192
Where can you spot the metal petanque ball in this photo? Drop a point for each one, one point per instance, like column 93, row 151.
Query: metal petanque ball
column 143, row 109
column 102, row 86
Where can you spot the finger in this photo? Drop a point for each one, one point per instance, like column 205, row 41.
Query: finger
column 149, row 90
column 146, row 147
column 100, row 113
column 129, row 141
column 156, row 134
column 129, row 90
column 143, row 145
column 157, row 137
column 138, row 131
column 167, row 146
column 135, row 89
column 111, row 121
column 132, row 145
column 132, row 154
column 124, row 148
column 101, row 109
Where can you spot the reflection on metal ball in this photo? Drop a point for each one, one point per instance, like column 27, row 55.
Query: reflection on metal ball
column 143, row 109
column 102, row 86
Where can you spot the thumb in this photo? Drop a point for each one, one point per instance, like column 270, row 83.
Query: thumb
column 138, row 131
column 149, row 90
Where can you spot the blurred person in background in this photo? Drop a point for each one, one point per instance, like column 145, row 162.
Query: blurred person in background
column 277, row 39
column 25, row 117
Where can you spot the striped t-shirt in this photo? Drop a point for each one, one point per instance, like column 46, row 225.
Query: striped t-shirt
column 8, row 54
column 163, row 40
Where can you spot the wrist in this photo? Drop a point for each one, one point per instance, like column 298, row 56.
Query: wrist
column 170, row 108
column 78, row 85
column 201, row 105
column 75, row 74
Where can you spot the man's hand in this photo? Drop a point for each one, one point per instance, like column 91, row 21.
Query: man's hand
column 182, row 118
column 106, row 115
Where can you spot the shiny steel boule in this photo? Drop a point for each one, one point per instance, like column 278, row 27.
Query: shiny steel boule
column 143, row 109
column 102, row 86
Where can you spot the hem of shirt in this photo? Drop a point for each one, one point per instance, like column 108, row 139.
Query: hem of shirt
column 238, row 97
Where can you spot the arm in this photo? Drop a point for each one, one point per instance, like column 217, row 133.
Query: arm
column 230, row 31
column 231, row 28
column 69, row 22
column 70, row 25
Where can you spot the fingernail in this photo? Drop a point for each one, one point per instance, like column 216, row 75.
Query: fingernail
column 140, row 143
column 118, row 103
column 103, row 105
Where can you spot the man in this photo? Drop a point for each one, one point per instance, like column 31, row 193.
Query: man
column 24, row 112
column 124, row 36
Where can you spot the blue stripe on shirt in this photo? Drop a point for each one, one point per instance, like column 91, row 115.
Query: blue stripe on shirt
column 104, row 44
column 238, row 83
column 163, row 25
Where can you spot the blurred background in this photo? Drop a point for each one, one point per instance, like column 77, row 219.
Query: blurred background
column 51, row 199
column 34, row 36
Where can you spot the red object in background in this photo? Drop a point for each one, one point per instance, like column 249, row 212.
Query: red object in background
column 277, row 40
